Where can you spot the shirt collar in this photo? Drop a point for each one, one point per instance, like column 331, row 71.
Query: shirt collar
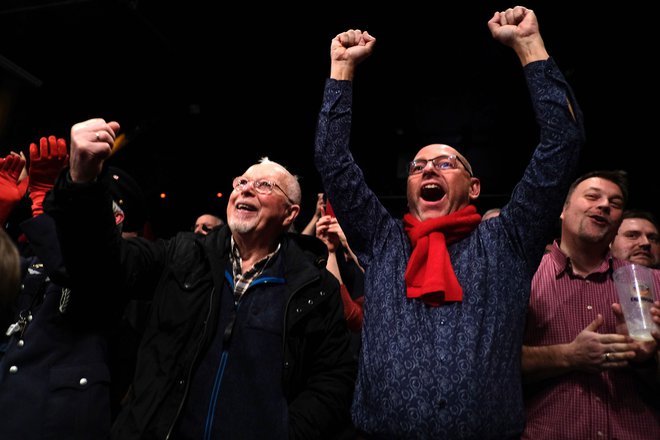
column 562, row 263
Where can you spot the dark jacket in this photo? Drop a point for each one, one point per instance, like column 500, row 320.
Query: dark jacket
column 54, row 378
column 187, row 272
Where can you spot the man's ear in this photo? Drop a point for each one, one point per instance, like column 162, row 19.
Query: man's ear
column 475, row 188
column 293, row 211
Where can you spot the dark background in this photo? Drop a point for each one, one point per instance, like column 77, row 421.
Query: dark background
column 203, row 89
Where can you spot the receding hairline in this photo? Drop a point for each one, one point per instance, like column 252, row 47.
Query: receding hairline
column 291, row 184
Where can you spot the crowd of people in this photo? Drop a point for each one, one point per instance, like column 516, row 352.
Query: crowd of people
column 444, row 324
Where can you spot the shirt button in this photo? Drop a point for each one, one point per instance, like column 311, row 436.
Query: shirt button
column 590, row 307
column 21, row 343
column 600, row 434
column 83, row 382
column 13, row 369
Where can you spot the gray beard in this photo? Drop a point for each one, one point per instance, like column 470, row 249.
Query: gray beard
column 241, row 227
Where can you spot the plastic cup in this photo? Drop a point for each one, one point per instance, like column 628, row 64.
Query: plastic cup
column 634, row 284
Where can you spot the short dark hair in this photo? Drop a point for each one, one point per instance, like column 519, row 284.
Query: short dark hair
column 639, row 213
column 618, row 177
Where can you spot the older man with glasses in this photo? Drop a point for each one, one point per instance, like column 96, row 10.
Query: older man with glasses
column 445, row 295
column 247, row 337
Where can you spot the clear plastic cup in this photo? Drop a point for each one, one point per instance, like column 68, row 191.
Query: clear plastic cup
column 634, row 284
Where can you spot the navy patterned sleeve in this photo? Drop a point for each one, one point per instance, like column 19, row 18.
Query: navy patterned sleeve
column 342, row 176
column 537, row 200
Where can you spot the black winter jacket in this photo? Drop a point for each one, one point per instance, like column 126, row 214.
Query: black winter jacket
column 185, row 273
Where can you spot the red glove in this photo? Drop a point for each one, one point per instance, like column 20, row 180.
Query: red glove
column 45, row 165
column 11, row 190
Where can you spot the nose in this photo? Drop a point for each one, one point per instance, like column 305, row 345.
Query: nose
column 644, row 241
column 429, row 167
column 605, row 206
column 247, row 187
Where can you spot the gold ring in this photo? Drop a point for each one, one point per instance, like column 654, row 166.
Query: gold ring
column 607, row 357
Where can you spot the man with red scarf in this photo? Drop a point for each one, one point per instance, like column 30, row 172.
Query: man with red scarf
column 446, row 295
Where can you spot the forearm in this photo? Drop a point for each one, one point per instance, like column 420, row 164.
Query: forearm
column 310, row 228
column 543, row 362
column 555, row 105
column 333, row 267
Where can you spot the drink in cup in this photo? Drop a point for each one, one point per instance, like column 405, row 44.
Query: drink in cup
column 634, row 284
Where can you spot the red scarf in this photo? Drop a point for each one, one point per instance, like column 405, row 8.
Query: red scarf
column 429, row 274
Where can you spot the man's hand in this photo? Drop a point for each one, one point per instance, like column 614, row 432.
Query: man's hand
column 326, row 231
column 347, row 50
column 518, row 28
column 593, row 352
column 91, row 145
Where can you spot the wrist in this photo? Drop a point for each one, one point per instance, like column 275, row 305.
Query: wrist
column 37, row 198
column 342, row 71
column 531, row 51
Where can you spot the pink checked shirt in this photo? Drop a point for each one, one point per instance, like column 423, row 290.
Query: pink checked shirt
column 576, row 406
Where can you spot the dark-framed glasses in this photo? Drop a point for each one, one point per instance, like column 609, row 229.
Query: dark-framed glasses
column 442, row 163
column 260, row 185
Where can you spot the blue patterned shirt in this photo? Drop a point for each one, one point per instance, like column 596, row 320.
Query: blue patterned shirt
column 450, row 372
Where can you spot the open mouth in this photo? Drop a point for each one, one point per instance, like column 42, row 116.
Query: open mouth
column 245, row 207
column 432, row 192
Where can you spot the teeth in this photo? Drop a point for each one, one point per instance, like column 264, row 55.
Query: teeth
column 431, row 186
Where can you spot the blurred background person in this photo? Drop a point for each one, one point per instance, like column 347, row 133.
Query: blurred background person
column 491, row 213
column 344, row 265
column 319, row 211
column 638, row 239
column 205, row 223
column 10, row 276
column 54, row 372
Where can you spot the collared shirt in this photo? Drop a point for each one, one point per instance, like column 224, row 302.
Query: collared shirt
column 613, row 404
column 242, row 280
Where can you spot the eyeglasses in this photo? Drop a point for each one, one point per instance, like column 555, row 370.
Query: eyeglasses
column 260, row 186
column 443, row 163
